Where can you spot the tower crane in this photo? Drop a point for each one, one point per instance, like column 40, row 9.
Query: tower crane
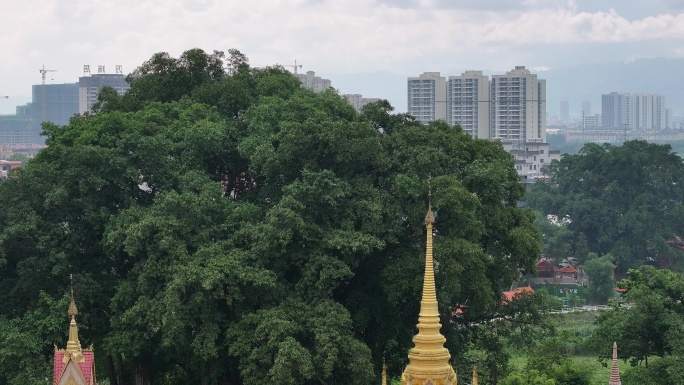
column 295, row 66
column 44, row 72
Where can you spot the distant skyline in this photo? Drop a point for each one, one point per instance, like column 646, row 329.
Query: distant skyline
column 333, row 38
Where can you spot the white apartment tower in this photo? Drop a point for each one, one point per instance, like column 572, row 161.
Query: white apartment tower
column 316, row 83
column 427, row 97
column 468, row 103
column 358, row 101
column 518, row 107
column 641, row 112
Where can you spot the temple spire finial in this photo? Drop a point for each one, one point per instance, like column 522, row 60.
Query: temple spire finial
column 429, row 359
column 73, row 347
column 429, row 217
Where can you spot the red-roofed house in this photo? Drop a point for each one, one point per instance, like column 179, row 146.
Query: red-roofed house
column 511, row 295
column 546, row 269
column 568, row 272
column 73, row 365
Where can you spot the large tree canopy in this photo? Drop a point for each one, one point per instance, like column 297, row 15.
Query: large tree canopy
column 652, row 324
column 627, row 201
column 225, row 226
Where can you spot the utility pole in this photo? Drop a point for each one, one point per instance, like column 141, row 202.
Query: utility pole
column 624, row 125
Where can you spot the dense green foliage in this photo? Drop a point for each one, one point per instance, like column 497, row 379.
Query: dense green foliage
column 226, row 226
column 626, row 201
column 600, row 272
column 651, row 325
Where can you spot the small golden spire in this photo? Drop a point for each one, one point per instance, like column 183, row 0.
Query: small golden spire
column 384, row 372
column 73, row 347
column 474, row 375
column 429, row 359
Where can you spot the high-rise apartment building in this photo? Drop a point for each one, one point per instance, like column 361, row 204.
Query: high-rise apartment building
column 564, row 110
column 467, row 103
column 518, row 107
column 358, row 101
column 315, row 83
column 586, row 108
column 89, row 87
column 640, row 112
column 427, row 97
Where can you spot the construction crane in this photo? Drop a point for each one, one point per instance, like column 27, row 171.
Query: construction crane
column 295, row 66
column 44, row 72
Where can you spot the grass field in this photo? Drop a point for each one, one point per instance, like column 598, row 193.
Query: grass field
column 581, row 323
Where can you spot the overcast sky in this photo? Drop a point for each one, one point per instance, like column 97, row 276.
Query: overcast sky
column 405, row 37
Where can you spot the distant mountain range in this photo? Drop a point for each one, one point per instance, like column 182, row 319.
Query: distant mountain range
column 574, row 84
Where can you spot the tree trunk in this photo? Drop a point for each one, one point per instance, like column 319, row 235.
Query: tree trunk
column 122, row 372
column 111, row 371
column 140, row 376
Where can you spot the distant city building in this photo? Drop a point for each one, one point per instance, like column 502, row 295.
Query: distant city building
column 591, row 121
column 586, row 108
column 89, row 87
column 15, row 129
column 467, row 104
column 55, row 103
column 358, row 101
column 564, row 110
column 427, row 97
column 515, row 103
column 634, row 111
column 315, row 83
column 518, row 107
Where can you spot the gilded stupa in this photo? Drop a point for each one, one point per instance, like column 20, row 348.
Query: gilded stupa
column 73, row 365
column 429, row 359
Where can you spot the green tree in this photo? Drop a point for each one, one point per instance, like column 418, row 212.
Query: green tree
column 600, row 272
column 227, row 226
column 651, row 325
column 626, row 201
column 530, row 377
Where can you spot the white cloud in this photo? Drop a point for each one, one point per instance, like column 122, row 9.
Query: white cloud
column 324, row 35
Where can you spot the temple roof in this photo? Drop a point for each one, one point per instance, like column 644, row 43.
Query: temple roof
column 87, row 367
column 82, row 359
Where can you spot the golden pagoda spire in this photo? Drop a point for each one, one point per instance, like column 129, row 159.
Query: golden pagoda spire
column 474, row 375
column 73, row 347
column 429, row 359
